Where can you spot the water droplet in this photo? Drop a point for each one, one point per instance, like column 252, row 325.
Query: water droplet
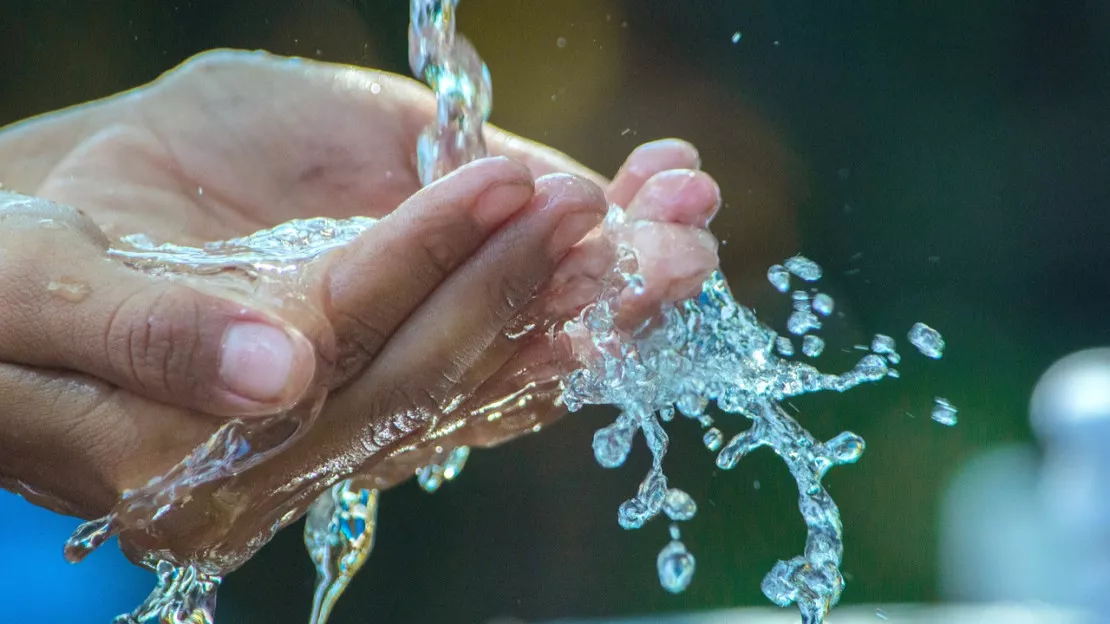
column 675, row 532
column 613, row 443
column 736, row 37
column 944, row 412
column 779, row 277
column 455, row 462
column 823, row 304
column 801, row 300
column 812, row 346
column 69, row 289
column 784, row 346
column 845, row 448
column 882, row 344
column 713, row 439
column 801, row 322
column 430, row 477
column 927, row 340
column 871, row 367
column 756, row 484
column 804, row 268
column 678, row 505
column 676, row 567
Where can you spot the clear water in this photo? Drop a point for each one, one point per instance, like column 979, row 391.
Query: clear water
column 705, row 350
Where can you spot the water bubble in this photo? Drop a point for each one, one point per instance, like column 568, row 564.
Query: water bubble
column 944, row 412
column 736, row 37
column 713, row 439
column 804, row 268
column 561, row 42
column 882, row 344
column 879, row 613
column 927, row 340
column 675, row 532
column 784, row 346
column 823, row 304
column 676, row 567
column 678, row 505
column 69, row 289
column 812, row 346
column 779, row 277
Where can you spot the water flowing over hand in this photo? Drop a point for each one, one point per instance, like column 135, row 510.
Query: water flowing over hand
column 426, row 312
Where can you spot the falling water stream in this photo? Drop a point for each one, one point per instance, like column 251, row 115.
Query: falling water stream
column 708, row 349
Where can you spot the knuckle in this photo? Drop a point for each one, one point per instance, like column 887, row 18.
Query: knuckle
column 440, row 252
column 510, row 294
column 152, row 339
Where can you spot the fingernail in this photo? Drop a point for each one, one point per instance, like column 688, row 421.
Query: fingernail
column 497, row 203
column 664, row 154
column 581, row 203
column 257, row 361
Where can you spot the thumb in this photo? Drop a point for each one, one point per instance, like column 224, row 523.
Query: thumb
column 65, row 304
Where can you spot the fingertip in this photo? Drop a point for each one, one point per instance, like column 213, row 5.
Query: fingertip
column 648, row 160
column 263, row 367
column 578, row 205
column 681, row 196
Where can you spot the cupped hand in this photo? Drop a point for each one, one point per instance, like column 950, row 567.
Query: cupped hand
column 419, row 305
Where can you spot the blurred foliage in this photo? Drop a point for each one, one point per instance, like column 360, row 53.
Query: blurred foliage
column 946, row 161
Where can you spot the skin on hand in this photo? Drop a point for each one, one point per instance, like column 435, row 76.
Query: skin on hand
column 411, row 336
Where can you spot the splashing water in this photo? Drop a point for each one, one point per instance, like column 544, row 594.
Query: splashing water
column 706, row 349
column 339, row 535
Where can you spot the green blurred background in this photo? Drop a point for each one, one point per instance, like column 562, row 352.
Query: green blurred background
column 945, row 160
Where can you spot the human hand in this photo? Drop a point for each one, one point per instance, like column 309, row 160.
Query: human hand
column 112, row 170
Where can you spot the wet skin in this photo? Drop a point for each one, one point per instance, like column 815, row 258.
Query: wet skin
column 406, row 327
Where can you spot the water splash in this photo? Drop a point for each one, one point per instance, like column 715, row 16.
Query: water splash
column 184, row 595
column 339, row 534
column 706, row 349
column 712, row 349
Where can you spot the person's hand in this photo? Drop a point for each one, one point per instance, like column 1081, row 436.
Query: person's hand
column 421, row 301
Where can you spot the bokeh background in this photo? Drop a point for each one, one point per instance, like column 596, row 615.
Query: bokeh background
column 946, row 161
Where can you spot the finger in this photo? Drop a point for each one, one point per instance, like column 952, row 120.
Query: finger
column 677, row 196
column 378, row 280
column 540, row 159
column 67, row 305
column 458, row 338
column 400, row 396
column 646, row 161
column 74, row 444
column 673, row 260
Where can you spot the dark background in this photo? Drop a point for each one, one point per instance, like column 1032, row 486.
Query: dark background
column 945, row 161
